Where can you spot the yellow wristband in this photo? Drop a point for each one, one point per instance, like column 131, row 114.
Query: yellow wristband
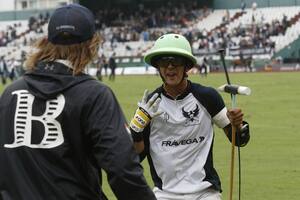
column 143, row 115
column 139, row 121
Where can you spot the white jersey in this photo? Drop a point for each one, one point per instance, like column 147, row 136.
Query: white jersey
column 179, row 142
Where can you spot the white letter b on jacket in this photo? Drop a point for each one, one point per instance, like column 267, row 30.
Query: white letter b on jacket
column 53, row 135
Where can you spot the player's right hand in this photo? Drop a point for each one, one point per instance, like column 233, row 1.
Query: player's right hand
column 145, row 112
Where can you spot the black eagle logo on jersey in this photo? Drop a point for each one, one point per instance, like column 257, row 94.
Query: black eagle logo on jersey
column 191, row 115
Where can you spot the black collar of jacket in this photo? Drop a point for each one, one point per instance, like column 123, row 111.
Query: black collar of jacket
column 52, row 67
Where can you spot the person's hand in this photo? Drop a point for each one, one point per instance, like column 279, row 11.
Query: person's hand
column 145, row 112
column 151, row 107
column 242, row 133
column 235, row 116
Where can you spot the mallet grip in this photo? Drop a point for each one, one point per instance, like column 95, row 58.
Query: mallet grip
column 235, row 89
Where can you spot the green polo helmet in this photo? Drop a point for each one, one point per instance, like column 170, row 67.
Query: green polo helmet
column 171, row 44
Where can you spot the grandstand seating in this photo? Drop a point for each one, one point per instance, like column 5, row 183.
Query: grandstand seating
column 211, row 26
column 214, row 19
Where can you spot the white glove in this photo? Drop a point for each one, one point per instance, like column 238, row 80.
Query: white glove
column 145, row 112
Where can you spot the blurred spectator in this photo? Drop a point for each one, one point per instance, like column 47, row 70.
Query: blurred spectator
column 243, row 6
column 99, row 69
column 3, row 70
column 203, row 66
column 112, row 65
column 104, row 64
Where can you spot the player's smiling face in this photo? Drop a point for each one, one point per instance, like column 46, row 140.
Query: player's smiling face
column 171, row 69
column 172, row 75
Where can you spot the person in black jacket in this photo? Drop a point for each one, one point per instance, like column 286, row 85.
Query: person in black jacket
column 60, row 126
column 112, row 65
column 3, row 70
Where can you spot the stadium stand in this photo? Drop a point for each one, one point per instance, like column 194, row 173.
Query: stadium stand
column 251, row 36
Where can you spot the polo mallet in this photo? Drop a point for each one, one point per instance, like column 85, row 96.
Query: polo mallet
column 233, row 90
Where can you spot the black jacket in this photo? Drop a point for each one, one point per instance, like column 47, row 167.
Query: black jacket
column 57, row 132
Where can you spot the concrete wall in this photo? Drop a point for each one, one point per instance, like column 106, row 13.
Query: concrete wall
column 22, row 15
column 7, row 5
column 229, row 4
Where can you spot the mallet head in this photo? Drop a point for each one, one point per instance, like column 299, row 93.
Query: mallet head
column 235, row 89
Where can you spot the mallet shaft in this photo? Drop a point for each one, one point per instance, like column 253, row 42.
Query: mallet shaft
column 222, row 52
column 232, row 162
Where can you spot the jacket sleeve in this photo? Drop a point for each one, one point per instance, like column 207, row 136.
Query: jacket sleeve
column 113, row 150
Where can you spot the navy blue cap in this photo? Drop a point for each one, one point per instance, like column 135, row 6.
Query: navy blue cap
column 71, row 24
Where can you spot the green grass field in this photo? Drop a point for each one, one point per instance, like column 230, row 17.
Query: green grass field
column 271, row 161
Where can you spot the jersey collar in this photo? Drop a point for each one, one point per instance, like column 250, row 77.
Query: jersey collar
column 181, row 96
